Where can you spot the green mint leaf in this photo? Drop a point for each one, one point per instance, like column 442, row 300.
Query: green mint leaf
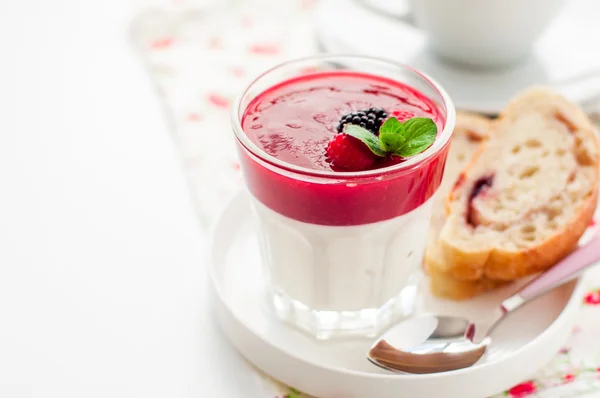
column 392, row 125
column 366, row 137
column 391, row 142
column 391, row 135
column 419, row 133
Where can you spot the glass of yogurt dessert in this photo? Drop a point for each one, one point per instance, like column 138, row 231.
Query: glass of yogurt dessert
column 342, row 157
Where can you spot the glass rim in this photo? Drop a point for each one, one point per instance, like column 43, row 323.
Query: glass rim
column 441, row 141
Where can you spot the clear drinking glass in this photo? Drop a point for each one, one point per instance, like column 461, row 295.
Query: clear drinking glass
column 342, row 250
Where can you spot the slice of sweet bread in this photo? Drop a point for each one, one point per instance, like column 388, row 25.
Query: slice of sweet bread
column 470, row 132
column 526, row 197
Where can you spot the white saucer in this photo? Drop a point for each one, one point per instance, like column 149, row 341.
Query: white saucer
column 521, row 345
column 566, row 57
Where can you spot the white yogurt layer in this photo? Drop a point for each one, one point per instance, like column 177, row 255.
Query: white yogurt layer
column 346, row 268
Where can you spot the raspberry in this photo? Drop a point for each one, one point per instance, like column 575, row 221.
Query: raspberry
column 346, row 153
column 402, row 116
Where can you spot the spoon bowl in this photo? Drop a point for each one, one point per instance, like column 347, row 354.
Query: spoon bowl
column 450, row 345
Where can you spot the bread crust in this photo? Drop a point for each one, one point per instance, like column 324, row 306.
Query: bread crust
column 443, row 285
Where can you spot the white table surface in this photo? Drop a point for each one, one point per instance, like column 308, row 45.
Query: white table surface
column 102, row 284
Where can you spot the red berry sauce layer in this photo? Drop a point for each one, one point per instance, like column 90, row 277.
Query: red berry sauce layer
column 296, row 120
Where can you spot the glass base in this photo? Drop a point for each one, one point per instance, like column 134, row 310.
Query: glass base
column 368, row 323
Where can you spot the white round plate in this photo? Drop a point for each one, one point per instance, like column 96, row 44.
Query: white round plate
column 563, row 58
column 335, row 369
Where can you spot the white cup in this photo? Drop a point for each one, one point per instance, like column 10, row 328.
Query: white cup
column 484, row 32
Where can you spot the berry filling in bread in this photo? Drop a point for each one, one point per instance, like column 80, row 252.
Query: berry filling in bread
column 481, row 186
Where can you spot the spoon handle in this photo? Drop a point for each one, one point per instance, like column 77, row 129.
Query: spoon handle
column 568, row 268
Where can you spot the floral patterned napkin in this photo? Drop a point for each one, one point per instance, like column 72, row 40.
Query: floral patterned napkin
column 200, row 56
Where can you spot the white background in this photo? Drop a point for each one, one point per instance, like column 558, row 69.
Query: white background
column 102, row 283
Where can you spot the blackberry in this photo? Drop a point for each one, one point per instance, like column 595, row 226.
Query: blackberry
column 370, row 119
